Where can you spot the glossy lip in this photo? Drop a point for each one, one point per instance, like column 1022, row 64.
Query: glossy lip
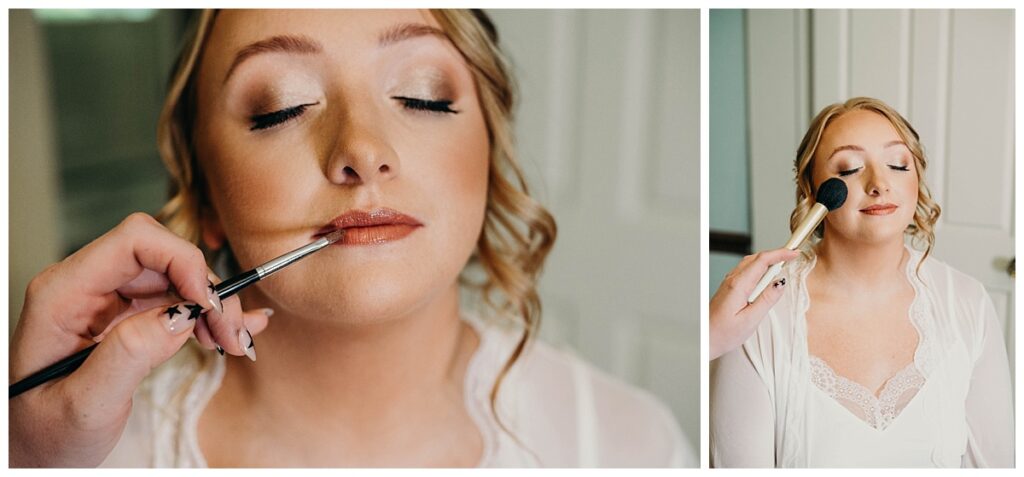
column 880, row 209
column 371, row 227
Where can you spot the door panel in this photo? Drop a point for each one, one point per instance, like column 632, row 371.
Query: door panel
column 608, row 129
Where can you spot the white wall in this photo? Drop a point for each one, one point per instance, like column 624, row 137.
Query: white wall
column 609, row 132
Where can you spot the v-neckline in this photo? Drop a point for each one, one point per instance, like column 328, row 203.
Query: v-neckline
column 882, row 391
column 914, row 362
column 873, row 406
column 844, row 413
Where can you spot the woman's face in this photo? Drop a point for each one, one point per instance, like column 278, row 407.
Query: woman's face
column 309, row 121
column 864, row 150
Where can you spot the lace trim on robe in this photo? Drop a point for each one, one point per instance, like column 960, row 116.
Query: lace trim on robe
column 899, row 390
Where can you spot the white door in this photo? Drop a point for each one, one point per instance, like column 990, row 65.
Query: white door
column 608, row 129
column 950, row 72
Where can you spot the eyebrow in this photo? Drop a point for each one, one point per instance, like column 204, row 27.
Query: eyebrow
column 851, row 147
column 276, row 44
column 406, row 31
column 299, row 44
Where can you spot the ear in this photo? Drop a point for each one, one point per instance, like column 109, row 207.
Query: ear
column 212, row 232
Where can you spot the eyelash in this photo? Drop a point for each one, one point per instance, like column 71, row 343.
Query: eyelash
column 428, row 105
column 853, row 171
column 269, row 120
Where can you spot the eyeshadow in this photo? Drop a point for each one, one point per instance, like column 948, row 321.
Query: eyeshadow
column 426, row 83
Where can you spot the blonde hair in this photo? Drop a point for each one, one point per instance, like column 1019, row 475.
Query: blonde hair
column 927, row 211
column 517, row 232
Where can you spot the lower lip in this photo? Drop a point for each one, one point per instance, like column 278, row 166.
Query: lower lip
column 377, row 234
column 885, row 211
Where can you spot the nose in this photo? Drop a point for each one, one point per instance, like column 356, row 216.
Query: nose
column 876, row 182
column 361, row 155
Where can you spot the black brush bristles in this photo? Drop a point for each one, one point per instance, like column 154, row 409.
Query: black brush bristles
column 831, row 194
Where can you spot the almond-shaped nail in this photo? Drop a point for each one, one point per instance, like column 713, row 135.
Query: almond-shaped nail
column 181, row 317
column 211, row 296
column 268, row 311
column 247, row 343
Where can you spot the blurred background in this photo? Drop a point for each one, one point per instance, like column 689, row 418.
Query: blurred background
column 949, row 72
column 608, row 128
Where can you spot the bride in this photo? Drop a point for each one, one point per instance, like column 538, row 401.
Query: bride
column 877, row 354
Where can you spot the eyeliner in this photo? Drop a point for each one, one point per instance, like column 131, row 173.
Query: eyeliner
column 223, row 290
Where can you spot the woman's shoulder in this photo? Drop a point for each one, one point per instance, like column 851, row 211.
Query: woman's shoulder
column 595, row 416
column 956, row 299
column 938, row 274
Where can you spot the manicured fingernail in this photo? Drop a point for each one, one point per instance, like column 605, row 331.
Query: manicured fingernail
column 780, row 283
column 220, row 350
column 247, row 343
column 268, row 311
column 181, row 317
column 211, row 296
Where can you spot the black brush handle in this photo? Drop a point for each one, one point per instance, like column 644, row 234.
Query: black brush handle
column 56, row 370
column 236, row 283
column 67, row 365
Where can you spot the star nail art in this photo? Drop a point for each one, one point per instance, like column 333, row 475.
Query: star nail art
column 194, row 311
column 172, row 311
column 211, row 296
column 247, row 343
column 176, row 321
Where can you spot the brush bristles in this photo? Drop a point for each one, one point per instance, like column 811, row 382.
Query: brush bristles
column 831, row 194
column 335, row 236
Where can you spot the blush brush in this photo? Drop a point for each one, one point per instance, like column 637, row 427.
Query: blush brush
column 831, row 196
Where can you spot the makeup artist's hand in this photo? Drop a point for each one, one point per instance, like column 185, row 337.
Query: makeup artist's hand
column 732, row 319
column 114, row 289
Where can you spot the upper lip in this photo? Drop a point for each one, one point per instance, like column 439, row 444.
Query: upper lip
column 372, row 218
column 879, row 207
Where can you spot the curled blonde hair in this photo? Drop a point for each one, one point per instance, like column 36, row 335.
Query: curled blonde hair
column 517, row 232
column 927, row 211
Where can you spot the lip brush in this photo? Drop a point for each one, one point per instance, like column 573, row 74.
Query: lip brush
column 223, row 289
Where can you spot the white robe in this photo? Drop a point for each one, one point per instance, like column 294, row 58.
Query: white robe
column 564, row 412
column 771, row 405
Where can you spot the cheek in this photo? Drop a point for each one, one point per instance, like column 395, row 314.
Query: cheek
column 910, row 185
column 849, row 212
column 257, row 194
column 458, row 176
column 473, row 170
column 910, row 198
column 469, row 193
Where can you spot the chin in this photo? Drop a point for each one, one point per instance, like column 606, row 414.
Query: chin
column 877, row 236
column 349, row 297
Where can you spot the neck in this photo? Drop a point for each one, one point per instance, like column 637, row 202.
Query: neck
column 359, row 376
column 861, row 266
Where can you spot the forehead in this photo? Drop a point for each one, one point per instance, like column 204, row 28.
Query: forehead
column 863, row 128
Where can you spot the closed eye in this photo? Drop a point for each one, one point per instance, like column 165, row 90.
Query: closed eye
column 900, row 168
column 429, row 105
column 850, row 171
column 269, row 120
